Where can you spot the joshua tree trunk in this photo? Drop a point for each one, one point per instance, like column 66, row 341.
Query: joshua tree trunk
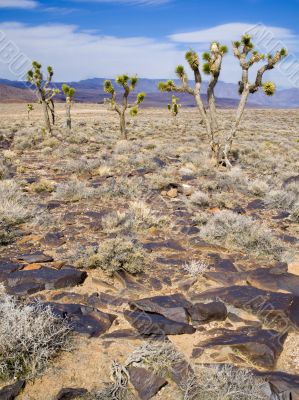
column 123, row 129
column 68, row 113
column 233, row 132
column 46, row 116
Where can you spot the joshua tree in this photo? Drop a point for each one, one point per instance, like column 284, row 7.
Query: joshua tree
column 247, row 56
column 69, row 94
column 29, row 109
column 243, row 50
column 174, row 107
column 128, row 85
column 44, row 93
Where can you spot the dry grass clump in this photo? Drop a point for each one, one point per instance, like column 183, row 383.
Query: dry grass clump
column 200, row 198
column 117, row 254
column 242, row 233
column 13, row 209
column 43, row 186
column 224, row 382
column 196, row 267
column 160, row 357
column 285, row 198
column 258, row 188
column 30, row 335
column 73, row 191
column 116, row 221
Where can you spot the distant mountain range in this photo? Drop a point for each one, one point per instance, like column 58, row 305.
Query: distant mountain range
column 91, row 91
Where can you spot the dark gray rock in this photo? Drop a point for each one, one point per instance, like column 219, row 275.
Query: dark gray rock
column 145, row 382
column 172, row 307
column 37, row 257
column 32, row 281
column 275, row 309
column 207, row 312
column 84, row 320
column 12, row 391
column 156, row 325
column 71, row 393
column 261, row 346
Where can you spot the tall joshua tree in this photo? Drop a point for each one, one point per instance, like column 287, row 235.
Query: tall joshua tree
column 212, row 66
column 174, row 107
column 44, row 93
column 244, row 51
column 247, row 56
column 128, row 85
column 69, row 93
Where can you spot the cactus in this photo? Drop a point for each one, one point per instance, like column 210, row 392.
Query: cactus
column 69, row 93
column 244, row 51
column 29, row 109
column 44, row 93
column 174, row 107
column 128, row 84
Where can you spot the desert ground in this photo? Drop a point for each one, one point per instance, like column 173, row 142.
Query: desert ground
column 170, row 266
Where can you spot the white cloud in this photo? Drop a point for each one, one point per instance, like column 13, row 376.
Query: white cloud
column 18, row 4
column 229, row 32
column 78, row 55
column 129, row 2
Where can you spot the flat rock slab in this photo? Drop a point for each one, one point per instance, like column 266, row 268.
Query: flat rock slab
column 145, row 382
column 172, row 307
column 263, row 278
column 262, row 347
column 7, row 267
column 71, row 393
column 279, row 310
column 167, row 244
column 284, row 386
column 37, row 257
column 156, row 324
column 12, row 391
column 32, row 281
column 84, row 320
column 207, row 312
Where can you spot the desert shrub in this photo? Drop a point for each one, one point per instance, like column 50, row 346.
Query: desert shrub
column 4, row 171
column 200, row 198
column 196, row 267
column 224, row 382
column 115, row 221
column 13, row 209
column 43, row 186
column 258, row 188
column 285, row 199
column 117, row 254
column 30, row 335
column 233, row 179
column 26, row 140
column 160, row 357
column 242, row 233
column 73, row 191
column 145, row 216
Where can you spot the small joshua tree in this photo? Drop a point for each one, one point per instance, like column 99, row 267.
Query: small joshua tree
column 69, row 94
column 174, row 108
column 29, row 109
column 244, row 51
column 44, row 93
column 128, row 85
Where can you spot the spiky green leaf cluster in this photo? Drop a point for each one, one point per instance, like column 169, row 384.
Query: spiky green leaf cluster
column 68, row 91
column 206, row 56
column 246, row 41
column 269, row 88
column 223, row 49
column 122, row 79
column 206, row 68
column 140, row 97
column 283, row 52
column 166, row 86
column 134, row 111
column 134, row 81
column 108, row 87
column 192, row 59
column 180, row 71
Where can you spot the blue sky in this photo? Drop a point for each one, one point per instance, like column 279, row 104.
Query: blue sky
column 101, row 38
